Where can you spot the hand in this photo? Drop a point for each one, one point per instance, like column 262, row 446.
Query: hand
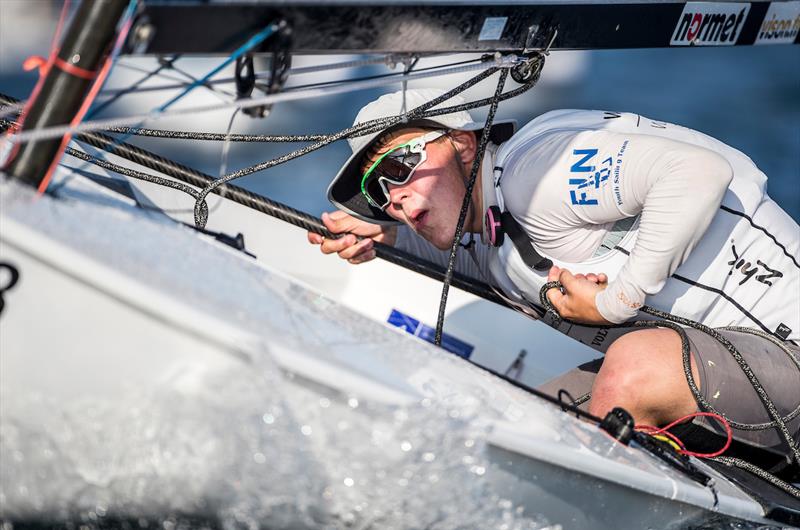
column 349, row 246
column 576, row 302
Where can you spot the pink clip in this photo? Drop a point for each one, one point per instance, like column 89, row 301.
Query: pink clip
column 494, row 226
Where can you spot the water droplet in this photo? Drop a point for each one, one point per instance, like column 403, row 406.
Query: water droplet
column 306, row 430
column 259, row 458
column 402, row 482
column 478, row 470
column 454, row 413
column 433, row 478
column 468, row 460
column 405, row 445
column 324, row 403
column 348, row 482
column 429, row 457
column 269, row 419
column 426, row 402
column 469, row 443
column 352, row 403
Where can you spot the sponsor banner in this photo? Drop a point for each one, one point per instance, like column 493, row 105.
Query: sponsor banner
column 781, row 24
column 427, row 333
column 710, row 24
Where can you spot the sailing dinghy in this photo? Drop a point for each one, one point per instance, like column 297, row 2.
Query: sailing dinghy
column 154, row 371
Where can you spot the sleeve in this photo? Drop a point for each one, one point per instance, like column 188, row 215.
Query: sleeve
column 677, row 188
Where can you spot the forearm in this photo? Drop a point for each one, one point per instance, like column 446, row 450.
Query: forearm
column 686, row 186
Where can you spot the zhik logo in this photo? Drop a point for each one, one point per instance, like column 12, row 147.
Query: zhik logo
column 710, row 24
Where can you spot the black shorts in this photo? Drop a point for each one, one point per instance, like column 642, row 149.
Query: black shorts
column 725, row 387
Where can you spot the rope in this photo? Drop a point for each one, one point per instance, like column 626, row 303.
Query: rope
column 465, row 205
column 134, row 174
column 293, row 72
column 677, row 324
column 94, row 125
column 757, row 471
column 371, row 126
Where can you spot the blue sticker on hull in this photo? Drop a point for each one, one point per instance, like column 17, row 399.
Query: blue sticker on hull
column 427, row 333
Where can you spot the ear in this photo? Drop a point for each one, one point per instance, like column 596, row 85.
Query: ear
column 466, row 145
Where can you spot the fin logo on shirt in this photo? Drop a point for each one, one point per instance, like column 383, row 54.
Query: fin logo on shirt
column 710, row 24
column 586, row 177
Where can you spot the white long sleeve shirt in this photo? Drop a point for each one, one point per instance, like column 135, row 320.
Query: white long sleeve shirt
column 709, row 243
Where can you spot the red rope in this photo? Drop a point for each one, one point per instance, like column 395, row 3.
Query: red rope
column 72, row 69
column 44, row 67
column 664, row 430
column 87, row 103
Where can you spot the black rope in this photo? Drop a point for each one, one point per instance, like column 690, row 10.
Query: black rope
column 465, row 206
column 677, row 324
column 757, row 471
column 369, row 127
column 217, row 137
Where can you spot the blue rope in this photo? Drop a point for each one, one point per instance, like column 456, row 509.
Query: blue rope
column 251, row 43
column 254, row 41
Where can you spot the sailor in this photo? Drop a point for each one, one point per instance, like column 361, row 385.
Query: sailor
column 623, row 211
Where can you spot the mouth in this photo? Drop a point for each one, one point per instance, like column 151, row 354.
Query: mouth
column 418, row 218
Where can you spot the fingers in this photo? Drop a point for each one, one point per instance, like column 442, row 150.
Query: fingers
column 592, row 277
column 555, row 296
column 348, row 247
column 357, row 249
column 552, row 275
column 334, row 246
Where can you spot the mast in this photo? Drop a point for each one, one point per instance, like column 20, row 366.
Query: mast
column 84, row 48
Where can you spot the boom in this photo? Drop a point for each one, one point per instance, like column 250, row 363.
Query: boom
column 167, row 27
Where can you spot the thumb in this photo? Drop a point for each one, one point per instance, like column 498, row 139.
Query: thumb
column 338, row 221
column 568, row 280
column 552, row 275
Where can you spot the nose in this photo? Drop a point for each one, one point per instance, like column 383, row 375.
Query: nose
column 398, row 194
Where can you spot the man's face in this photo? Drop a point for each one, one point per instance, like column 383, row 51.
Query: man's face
column 431, row 200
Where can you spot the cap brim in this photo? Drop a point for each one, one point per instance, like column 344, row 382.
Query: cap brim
column 344, row 191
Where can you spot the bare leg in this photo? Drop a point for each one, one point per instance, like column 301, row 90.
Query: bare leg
column 643, row 373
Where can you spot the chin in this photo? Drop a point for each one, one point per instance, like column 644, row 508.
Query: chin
column 442, row 245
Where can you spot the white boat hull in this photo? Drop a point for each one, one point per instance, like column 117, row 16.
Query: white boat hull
column 148, row 371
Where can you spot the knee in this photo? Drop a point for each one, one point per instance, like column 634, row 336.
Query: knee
column 630, row 372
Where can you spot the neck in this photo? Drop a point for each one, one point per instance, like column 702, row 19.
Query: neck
column 475, row 220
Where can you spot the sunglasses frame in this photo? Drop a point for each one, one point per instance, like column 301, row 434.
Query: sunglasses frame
column 416, row 145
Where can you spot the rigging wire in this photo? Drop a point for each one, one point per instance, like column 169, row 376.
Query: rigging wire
column 134, row 87
column 95, row 125
column 293, row 72
column 383, row 76
column 423, row 111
